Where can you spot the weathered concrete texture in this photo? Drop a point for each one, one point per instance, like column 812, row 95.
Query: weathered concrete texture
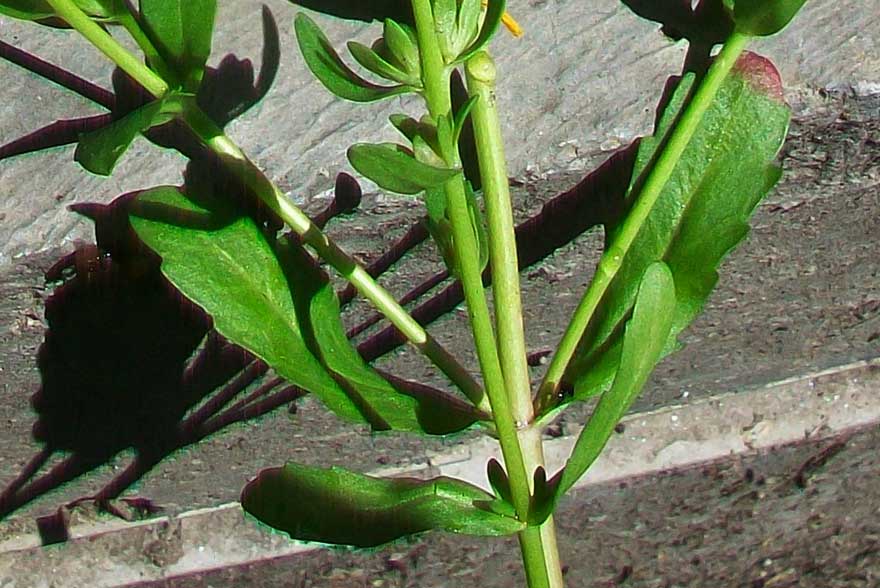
column 583, row 79
column 799, row 296
column 721, row 431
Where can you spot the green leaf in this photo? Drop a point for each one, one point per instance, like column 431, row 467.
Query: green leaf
column 644, row 339
column 461, row 118
column 401, row 43
column 372, row 61
column 100, row 10
column 491, row 22
column 341, row 507
column 395, row 169
column 325, row 64
column 275, row 302
column 226, row 266
column 385, row 406
column 762, row 17
column 445, row 17
column 702, row 213
column 467, row 27
column 99, row 151
column 181, row 31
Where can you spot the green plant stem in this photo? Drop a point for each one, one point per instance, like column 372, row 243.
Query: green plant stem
column 134, row 29
column 651, row 190
column 254, row 178
column 435, row 80
column 105, row 43
column 538, row 544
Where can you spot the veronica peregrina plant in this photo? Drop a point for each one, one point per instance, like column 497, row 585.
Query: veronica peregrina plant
column 693, row 186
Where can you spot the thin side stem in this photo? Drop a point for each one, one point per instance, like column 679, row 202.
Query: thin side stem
column 435, row 79
column 254, row 178
column 105, row 43
column 654, row 185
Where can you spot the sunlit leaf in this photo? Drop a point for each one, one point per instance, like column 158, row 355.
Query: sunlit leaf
column 644, row 339
column 325, row 64
column 702, row 213
column 373, row 62
column 99, row 151
column 341, row 507
column 225, row 265
column 491, row 22
column 387, row 406
column 181, row 31
column 395, row 169
column 275, row 302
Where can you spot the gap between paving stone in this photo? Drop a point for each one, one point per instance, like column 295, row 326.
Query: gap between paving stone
column 816, row 406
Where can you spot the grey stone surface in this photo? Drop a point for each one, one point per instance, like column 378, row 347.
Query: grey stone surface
column 583, row 79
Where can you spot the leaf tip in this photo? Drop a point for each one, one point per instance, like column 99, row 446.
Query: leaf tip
column 760, row 73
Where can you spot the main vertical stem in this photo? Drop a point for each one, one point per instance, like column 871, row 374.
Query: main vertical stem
column 435, row 79
column 538, row 544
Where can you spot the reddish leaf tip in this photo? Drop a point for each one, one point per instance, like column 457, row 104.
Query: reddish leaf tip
column 761, row 75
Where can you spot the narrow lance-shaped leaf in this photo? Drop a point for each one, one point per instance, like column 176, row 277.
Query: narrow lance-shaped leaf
column 395, row 169
column 325, row 64
column 276, row 303
column 701, row 214
column 181, row 31
column 644, row 339
column 375, row 63
column 341, row 507
column 99, row 151
column 491, row 22
column 385, row 406
column 225, row 265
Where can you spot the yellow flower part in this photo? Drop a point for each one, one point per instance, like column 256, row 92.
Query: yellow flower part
column 509, row 22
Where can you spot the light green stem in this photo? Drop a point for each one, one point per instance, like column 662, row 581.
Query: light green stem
column 538, row 544
column 435, row 80
column 118, row 54
column 295, row 218
column 653, row 187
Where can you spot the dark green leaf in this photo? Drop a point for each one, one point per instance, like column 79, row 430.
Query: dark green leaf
column 503, row 503
column 384, row 405
column 445, row 17
column 461, row 117
column 395, row 169
column 225, row 265
column 468, row 24
column 491, row 22
column 99, row 151
column 701, row 214
column 372, row 61
column 345, row 508
column 181, row 31
column 762, row 17
column 100, row 10
column 644, row 339
column 279, row 305
column 402, row 45
column 325, row 64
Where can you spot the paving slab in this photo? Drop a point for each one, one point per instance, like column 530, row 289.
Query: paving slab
column 801, row 295
column 780, row 446
column 584, row 79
